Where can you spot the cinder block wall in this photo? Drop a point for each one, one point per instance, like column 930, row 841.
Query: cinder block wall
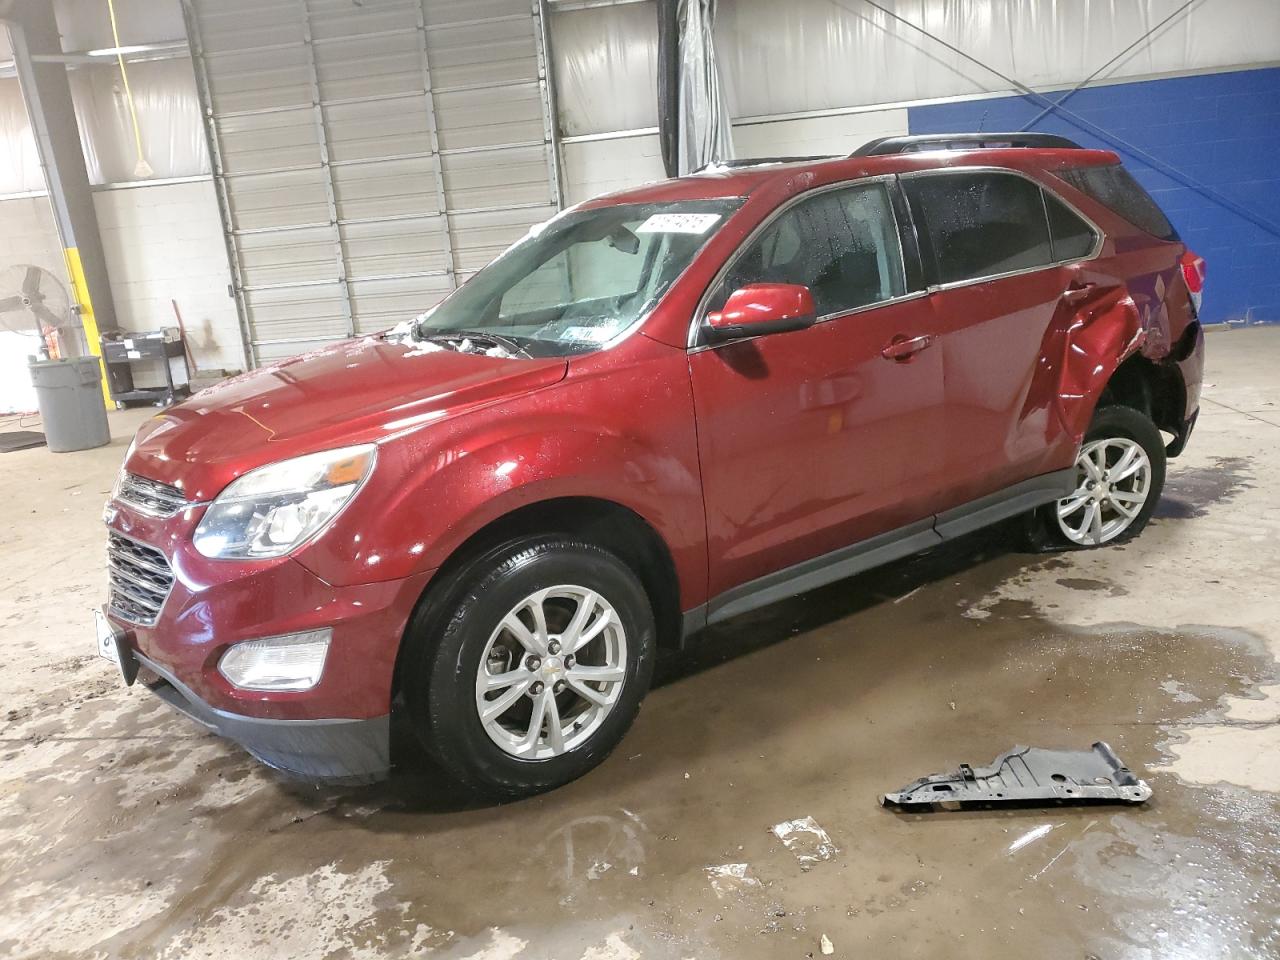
column 27, row 235
column 164, row 242
column 1220, row 130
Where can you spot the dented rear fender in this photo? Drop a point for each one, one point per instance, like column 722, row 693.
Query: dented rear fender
column 1106, row 330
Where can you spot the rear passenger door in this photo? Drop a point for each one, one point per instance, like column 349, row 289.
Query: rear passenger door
column 998, row 252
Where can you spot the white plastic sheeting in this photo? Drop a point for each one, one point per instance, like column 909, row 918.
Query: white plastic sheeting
column 164, row 93
column 19, row 161
column 168, row 116
column 606, row 67
column 808, row 55
column 704, row 120
column 849, row 53
column 86, row 25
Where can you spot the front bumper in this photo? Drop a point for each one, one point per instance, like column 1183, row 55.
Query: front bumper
column 214, row 604
column 337, row 730
column 336, row 750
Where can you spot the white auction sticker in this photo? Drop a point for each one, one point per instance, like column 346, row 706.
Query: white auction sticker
column 679, row 223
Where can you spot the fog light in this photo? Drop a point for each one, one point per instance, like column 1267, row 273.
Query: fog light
column 293, row 662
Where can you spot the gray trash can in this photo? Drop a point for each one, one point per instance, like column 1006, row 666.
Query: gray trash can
column 69, row 393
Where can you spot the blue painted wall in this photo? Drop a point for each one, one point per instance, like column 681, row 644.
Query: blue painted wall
column 1220, row 131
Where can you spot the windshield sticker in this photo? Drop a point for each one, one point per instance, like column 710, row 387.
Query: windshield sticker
column 696, row 223
column 588, row 334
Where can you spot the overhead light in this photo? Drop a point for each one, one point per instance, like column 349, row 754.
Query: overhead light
column 137, row 48
column 120, row 51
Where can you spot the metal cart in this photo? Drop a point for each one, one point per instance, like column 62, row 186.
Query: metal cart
column 121, row 353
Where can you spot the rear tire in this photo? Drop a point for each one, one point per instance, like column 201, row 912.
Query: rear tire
column 529, row 665
column 1120, row 472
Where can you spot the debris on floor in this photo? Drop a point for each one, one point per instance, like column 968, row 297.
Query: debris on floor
column 727, row 878
column 827, row 947
column 808, row 841
column 1028, row 774
column 598, row 869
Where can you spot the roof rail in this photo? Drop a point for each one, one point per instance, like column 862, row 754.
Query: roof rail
column 886, row 146
column 759, row 161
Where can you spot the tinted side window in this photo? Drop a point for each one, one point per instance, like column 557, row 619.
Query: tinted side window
column 979, row 224
column 842, row 245
column 1072, row 237
column 1114, row 187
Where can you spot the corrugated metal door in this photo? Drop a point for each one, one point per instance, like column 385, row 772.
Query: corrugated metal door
column 369, row 156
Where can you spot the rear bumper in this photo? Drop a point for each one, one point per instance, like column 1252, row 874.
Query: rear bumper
column 1179, row 442
column 334, row 751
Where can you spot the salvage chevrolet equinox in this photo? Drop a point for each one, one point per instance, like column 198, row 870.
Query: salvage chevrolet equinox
column 656, row 411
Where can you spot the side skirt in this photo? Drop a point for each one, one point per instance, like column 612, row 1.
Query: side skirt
column 879, row 550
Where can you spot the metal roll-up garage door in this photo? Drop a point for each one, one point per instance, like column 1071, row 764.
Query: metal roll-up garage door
column 369, row 156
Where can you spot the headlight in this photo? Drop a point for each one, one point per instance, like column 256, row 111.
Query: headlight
column 270, row 511
column 293, row 662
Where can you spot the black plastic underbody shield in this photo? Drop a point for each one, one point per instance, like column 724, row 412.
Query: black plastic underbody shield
column 1027, row 775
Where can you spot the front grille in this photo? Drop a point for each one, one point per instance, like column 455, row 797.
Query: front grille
column 140, row 579
column 151, row 496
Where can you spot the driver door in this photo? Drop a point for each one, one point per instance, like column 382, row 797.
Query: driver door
column 814, row 440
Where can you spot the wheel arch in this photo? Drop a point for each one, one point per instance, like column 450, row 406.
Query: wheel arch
column 1104, row 366
column 597, row 520
column 1151, row 387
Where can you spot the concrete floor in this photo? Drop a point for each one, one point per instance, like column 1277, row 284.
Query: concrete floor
column 124, row 831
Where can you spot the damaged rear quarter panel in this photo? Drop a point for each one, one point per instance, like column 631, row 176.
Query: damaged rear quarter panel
column 1106, row 330
column 1139, row 305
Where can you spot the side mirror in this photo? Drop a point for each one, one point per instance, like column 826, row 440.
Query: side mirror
column 762, row 308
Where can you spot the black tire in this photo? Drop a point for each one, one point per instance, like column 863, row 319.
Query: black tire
column 451, row 630
column 1043, row 530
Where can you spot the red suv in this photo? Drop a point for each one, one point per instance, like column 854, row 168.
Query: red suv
column 658, row 410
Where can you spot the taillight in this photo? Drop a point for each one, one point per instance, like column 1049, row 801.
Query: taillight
column 1193, row 274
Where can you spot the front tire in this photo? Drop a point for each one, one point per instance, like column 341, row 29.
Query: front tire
column 1120, row 472
column 531, row 665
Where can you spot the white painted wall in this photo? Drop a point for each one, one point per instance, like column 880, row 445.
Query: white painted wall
column 27, row 235
column 164, row 242
column 594, row 167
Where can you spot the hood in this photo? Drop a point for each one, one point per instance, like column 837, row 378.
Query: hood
column 352, row 392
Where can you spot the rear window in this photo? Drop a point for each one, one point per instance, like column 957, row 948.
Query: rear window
column 1114, row 187
column 1072, row 238
column 978, row 225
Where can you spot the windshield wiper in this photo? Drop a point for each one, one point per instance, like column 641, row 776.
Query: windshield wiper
column 506, row 343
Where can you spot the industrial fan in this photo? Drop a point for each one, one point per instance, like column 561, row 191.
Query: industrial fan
column 35, row 319
column 35, row 304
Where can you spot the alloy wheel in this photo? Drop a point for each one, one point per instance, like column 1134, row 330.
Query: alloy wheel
column 1113, row 481
column 551, row 673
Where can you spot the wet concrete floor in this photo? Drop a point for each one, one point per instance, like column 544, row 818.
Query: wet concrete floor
column 126, row 832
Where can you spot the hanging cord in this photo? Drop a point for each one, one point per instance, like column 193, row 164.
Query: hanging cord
column 141, row 168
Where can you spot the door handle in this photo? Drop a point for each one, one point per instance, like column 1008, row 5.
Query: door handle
column 902, row 348
column 1079, row 291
